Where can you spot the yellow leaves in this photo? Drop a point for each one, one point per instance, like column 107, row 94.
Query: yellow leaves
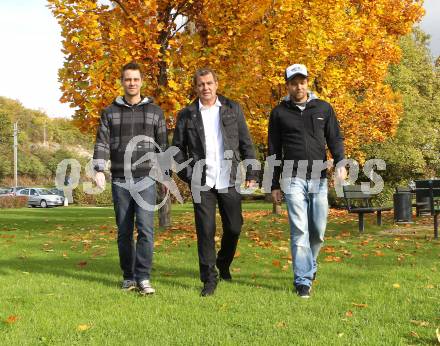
column 396, row 285
column 83, row 327
column 249, row 46
column 360, row 305
column 281, row 325
column 420, row 323
column 173, row 85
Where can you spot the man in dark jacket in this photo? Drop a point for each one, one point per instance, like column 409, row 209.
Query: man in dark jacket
column 299, row 129
column 212, row 132
column 131, row 127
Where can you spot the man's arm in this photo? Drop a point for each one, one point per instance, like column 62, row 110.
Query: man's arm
column 274, row 148
column 101, row 151
column 180, row 141
column 335, row 142
column 160, row 132
column 246, row 146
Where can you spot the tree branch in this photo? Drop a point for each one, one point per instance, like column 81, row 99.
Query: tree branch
column 122, row 6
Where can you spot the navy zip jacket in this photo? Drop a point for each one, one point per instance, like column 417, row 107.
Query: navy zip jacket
column 302, row 135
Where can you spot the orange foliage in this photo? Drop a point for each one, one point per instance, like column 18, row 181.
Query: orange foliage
column 346, row 44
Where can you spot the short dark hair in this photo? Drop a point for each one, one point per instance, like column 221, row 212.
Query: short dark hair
column 131, row 66
column 203, row 72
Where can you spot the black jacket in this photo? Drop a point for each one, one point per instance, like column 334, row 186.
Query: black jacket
column 302, row 135
column 189, row 137
column 119, row 123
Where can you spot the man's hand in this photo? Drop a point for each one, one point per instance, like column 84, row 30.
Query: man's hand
column 250, row 184
column 341, row 173
column 100, row 179
column 276, row 196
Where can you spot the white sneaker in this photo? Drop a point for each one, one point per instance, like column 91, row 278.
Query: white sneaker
column 145, row 287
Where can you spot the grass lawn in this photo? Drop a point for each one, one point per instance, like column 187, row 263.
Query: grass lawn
column 59, row 284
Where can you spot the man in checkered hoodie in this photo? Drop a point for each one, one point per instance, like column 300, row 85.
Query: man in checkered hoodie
column 130, row 129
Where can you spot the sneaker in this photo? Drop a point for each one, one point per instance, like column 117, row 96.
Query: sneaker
column 145, row 287
column 128, row 285
column 303, row 291
column 208, row 288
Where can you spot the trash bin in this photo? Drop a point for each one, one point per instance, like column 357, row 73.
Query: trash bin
column 402, row 207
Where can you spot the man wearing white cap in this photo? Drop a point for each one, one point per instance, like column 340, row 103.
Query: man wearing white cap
column 299, row 129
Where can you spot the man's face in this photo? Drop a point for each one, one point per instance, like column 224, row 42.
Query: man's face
column 206, row 89
column 132, row 82
column 297, row 88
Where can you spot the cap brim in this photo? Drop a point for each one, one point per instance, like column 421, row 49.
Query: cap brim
column 296, row 74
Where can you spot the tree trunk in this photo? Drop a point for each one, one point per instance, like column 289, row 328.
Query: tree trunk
column 164, row 213
column 276, row 208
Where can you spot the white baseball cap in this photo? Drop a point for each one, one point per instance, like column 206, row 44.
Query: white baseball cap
column 294, row 70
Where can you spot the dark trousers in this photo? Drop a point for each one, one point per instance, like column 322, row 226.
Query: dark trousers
column 229, row 205
column 135, row 259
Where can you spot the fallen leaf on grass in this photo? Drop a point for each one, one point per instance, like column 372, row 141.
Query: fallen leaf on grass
column 429, row 286
column 420, row 323
column 414, row 334
column 360, row 305
column 237, row 254
column 11, row 319
column 340, row 335
column 329, row 249
column 378, row 253
column 281, row 324
column 396, row 285
column 349, row 313
column 82, row 264
column 332, row 259
column 276, row 263
column 437, row 332
column 235, row 270
column 83, row 327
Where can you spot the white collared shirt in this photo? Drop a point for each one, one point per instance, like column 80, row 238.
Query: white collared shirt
column 214, row 146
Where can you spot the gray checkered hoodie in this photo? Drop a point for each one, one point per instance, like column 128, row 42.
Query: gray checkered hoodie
column 119, row 123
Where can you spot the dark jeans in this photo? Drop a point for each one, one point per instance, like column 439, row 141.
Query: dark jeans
column 135, row 259
column 230, row 211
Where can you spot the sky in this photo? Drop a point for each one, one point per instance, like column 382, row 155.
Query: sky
column 31, row 53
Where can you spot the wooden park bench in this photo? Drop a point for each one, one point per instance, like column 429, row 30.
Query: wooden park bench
column 431, row 189
column 359, row 202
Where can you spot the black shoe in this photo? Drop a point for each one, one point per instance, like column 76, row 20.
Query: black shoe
column 208, row 288
column 224, row 272
column 303, row 291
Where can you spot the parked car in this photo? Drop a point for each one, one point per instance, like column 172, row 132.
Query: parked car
column 4, row 191
column 56, row 191
column 41, row 197
column 12, row 191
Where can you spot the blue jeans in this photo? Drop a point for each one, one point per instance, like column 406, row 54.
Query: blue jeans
column 135, row 259
column 307, row 207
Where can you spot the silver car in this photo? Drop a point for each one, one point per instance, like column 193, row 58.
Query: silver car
column 41, row 197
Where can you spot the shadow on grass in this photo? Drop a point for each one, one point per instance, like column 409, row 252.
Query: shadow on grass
column 105, row 271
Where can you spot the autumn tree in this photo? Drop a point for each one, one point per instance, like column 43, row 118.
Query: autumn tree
column 346, row 44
